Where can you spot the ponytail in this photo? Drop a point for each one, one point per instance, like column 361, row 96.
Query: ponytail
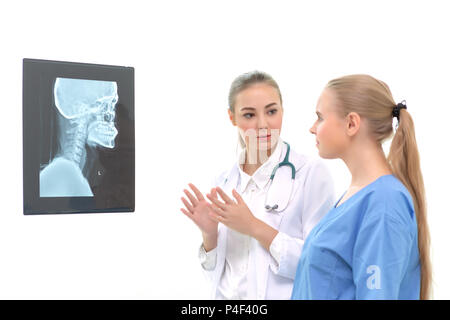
column 404, row 160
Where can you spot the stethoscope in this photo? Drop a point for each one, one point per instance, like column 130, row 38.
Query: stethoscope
column 285, row 162
column 276, row 207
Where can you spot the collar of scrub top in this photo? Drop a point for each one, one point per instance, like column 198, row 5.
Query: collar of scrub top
column 261, row 176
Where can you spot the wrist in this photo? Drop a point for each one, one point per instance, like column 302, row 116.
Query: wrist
column 209, row 241
column 210, row 235
column 263, row 233
column 255, row 228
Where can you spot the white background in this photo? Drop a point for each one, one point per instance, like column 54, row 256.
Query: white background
column 185, row 54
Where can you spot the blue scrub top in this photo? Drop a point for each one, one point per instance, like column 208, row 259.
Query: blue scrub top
column 364, row 249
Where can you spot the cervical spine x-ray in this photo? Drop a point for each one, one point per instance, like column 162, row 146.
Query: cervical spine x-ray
column 85, row 118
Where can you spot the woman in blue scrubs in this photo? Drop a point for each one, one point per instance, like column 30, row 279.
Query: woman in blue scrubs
column 374, row 242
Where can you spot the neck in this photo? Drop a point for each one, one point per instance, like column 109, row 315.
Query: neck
column 255, row 159
column 73, row 141
column 366, row 162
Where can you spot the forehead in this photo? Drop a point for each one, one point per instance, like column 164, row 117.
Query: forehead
column 259, row 94
column 327, row 101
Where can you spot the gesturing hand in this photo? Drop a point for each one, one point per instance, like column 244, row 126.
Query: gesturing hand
column 198, row 210
column 234, row 214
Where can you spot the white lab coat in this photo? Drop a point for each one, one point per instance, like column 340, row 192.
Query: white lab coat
column 312, row 197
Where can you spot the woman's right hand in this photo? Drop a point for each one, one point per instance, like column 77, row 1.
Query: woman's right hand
column 198, row 210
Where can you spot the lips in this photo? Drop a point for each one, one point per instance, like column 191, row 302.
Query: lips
column 264, row 137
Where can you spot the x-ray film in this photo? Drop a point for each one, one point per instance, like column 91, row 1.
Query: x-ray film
column 78, row 137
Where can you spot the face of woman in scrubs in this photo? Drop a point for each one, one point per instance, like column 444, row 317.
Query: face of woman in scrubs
column 258, row 114
column 330, row 127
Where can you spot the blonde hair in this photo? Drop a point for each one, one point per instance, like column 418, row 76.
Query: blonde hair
column 372, row 100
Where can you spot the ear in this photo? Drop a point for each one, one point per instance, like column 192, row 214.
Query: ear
column 353, row 123
column 232, row 119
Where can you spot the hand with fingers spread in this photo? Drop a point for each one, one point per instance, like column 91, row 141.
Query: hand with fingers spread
column 237, row 216
column 234, row 214
column 199, row 211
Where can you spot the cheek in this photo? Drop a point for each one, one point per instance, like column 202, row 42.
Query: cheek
column 245, row 127
column 246, row 131
column 321, row 130
column 329, row 133
column 245, row 124
column 248, row 128
column 275, row 123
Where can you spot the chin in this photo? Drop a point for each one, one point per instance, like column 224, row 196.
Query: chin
column 265, row 146
column 100, row 143
column 325, row 155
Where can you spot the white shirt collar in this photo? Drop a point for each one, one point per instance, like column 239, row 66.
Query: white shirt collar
column 262, row 175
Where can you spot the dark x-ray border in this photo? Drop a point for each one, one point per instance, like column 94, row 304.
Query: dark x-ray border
column 34, row 70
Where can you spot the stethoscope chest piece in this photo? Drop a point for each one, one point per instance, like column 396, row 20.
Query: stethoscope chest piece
column 278, row 194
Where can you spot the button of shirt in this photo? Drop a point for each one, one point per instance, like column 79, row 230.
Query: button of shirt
column 252, row 186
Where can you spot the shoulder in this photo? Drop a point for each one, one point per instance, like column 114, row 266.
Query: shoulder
column 63, row 178
column 61, row 166
column 223, row 176
column 388, row 197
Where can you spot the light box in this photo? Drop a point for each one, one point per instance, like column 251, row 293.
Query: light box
column 78, row 138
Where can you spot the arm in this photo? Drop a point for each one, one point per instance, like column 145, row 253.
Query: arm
column 380, row 257
column 197, row 210
column 262, row 232
column 317, row 198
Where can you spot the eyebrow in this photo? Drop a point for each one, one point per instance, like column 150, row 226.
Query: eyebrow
column 251, row 108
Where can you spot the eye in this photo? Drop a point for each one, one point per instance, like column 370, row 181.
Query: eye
column 272, row 112
column 248, row 115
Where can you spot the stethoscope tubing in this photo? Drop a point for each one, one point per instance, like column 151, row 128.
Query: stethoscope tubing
column 285, row 162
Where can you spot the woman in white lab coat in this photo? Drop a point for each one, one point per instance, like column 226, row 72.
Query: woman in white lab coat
column 253, row 228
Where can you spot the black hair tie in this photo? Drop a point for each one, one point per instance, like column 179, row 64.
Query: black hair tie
column 396, row 111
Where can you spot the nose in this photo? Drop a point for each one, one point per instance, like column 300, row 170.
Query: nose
column 262, row 122
column 313, row 129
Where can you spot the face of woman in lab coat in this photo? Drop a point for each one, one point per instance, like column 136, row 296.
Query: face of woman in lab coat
column 330, row 127
column 258, row 114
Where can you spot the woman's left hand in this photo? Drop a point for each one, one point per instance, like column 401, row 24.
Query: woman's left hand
column 234, row 214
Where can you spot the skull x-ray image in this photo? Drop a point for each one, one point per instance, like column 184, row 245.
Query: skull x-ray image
column 86, row 112
column 78, row 137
